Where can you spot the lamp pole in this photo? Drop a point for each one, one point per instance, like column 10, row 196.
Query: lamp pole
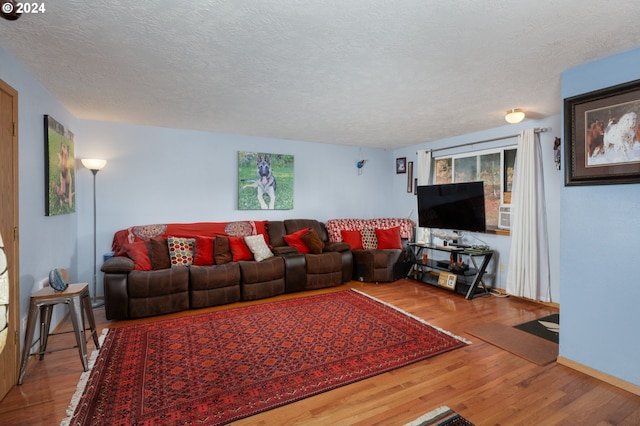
column 95, row 166
column 94, row 301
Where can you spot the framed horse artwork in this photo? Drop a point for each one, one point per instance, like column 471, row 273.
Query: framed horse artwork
column 602, row 136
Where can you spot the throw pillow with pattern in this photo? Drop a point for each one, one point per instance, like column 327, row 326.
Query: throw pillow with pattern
column 181, row 251
column 369, row 239
column 258, row 247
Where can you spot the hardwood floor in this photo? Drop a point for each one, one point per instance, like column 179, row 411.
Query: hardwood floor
column 483, row 383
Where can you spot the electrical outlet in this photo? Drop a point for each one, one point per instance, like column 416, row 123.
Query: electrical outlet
column 24, row 323
column 501, row 267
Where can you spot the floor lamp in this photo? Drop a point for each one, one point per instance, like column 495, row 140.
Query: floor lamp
column 95, row 166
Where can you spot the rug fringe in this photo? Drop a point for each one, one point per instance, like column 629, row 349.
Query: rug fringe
column 429, row 416
column 460, row 338
column 82, row 383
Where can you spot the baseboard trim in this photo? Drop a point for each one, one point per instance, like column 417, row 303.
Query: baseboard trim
column 629, row 387
column 503, row 292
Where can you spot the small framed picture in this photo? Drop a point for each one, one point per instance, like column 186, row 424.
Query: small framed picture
column 401, row 165
column 410, row 176
column 447, row 280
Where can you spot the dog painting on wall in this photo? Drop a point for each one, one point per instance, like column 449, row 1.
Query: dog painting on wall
column 266, row 182
column 258, row 170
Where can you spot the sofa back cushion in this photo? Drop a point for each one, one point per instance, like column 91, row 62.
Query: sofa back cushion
column 276, row 231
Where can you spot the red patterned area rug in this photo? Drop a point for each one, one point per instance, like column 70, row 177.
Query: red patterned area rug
column 221, row 366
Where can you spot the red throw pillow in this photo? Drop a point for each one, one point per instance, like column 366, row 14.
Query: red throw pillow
column 203, row 255
column 294, row 240
column 239, row 249
column 353, row 238
column 389, row 238
column 139, row 253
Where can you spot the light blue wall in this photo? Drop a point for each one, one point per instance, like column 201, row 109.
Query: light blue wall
column 45, row 242
column 159, row 175
column 501, row 244
column 598, row 250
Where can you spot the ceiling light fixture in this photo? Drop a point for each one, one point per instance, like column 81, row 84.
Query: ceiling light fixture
column 514, row 116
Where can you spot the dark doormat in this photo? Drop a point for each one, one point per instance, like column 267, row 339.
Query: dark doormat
column 547, row 327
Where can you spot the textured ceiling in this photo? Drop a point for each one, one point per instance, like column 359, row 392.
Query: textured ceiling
column 376, row 73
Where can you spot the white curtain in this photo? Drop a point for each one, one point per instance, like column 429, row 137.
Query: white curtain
column 424, row 178
column 424, row 167
column 528, row 272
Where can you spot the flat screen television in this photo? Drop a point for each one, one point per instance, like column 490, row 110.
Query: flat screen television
column 455, row 206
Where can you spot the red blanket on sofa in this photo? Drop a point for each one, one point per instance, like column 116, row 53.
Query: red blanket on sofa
column 186, row 230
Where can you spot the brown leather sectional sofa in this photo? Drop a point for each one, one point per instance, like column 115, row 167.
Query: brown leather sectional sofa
column 133, row 293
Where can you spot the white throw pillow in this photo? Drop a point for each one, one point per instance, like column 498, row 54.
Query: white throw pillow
column 258, row 247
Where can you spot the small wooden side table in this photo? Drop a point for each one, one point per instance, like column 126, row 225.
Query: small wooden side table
column 43, row 301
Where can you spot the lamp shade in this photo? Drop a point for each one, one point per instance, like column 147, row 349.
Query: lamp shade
column 514, row 116
column 93, row 163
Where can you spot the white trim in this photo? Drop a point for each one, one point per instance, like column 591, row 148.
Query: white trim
column 462, row 339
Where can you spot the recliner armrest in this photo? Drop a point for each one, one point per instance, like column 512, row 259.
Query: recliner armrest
column 336, row 246
column 284, row 250
column 118, row 265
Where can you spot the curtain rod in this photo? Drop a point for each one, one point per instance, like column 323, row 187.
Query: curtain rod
column 538, row 130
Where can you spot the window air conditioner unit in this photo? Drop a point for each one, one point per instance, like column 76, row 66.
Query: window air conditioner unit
column 504, row 216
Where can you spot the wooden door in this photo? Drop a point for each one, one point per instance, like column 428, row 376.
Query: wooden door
column 9, row 289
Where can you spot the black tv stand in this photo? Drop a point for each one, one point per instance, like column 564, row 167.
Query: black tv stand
column 469, row 281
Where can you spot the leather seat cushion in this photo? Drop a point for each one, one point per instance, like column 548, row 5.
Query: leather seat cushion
column 265, row 270
column 323, row 263
column 215, row 276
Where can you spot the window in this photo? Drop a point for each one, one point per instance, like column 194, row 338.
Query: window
column 493, row 167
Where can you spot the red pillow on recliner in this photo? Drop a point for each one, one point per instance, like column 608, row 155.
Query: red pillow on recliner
column 294, row 240
column 139, row 253
column 203, row 255
column 389, row 238
column 353, row 238
column 239, row 249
